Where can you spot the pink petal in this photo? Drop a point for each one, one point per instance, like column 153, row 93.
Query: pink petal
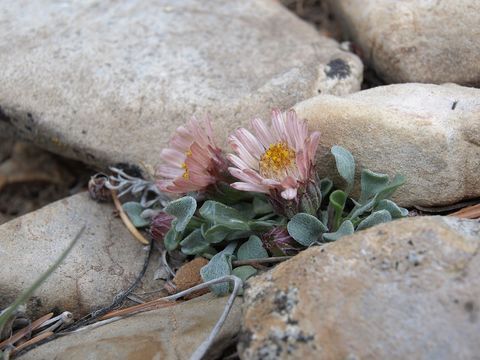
column 242, row 152
column 169, row 172
column 278, row 124
column 250, row 142
column 172, row 157
column 235, row 160
column 250, row 187
column 312, row 146
column 239, row 174
column 262, row 132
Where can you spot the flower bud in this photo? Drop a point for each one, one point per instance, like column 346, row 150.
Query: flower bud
column 160, row 225
column 97, row 189
column 279, row 242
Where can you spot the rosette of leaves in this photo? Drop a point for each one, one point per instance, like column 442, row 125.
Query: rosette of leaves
column 342, row 215
column 223, row 233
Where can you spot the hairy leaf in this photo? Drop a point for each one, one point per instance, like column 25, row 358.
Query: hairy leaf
column 305, row 228
column 346, row 228
column 183, row 209
column 252, row 249
column 134, row 211
column 345, row 165
column 375, row 218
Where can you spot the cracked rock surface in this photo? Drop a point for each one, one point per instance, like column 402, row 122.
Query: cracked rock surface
column 107, row 82
column 404, row 290
column 428, row 133
column 105, row 261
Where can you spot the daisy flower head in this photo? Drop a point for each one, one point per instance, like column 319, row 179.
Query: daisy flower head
column 193, row 161
column 278, row 160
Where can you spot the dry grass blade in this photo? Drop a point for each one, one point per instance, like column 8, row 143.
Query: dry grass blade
column 151, row 305
column 26, row 330
column 133, row 230
column 32, row 341
column 470, row 212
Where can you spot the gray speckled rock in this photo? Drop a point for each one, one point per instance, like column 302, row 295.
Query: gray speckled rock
column 110, row 81
column 429, row 133
column 426, row 41
column 171, row 333
column 104, row 262
column 404, row 290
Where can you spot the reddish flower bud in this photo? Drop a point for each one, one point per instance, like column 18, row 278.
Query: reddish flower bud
column 160, row 225
column 279, row 242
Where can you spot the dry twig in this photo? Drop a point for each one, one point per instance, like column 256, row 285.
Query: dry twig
column 133, row 230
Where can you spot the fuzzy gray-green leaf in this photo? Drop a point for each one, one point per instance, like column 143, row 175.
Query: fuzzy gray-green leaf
column 194, row 243
column 172, row 239
column 346, row 228
column 305, row 228
column 183, row 209
column 134, row 211
column 345, row 165
column 375, row 218
column 371, row 184
column 394, row 210
column 219, row 265
column 244, row 272
column 218, row 213
column 252, row 249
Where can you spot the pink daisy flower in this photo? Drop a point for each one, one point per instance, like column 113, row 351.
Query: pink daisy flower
column 193, row 161
column 279, row 159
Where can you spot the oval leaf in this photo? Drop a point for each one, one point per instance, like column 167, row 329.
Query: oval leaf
column 172, row 239
column 375, row 218
column 394, row 210
column 252, row 249
column 134, row 211
column 194, row 243
column 346, row 228
column 243, row 272
column 345, row 165
column 217, row 233
column 305, row 228
column 371, row 184
column 220, row 265
column 218, row 213
column 183, row 209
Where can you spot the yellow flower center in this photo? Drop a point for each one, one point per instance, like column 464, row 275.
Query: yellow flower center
column 186, row 174
column 276, row 160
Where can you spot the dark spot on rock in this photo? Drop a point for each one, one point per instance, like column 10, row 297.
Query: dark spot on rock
column 84, row 132
column 337, row 69
column 454, row 105
column 291, row 321
column 319, row 91
column 455, row 301
column 285, row 301
column 4, row 117
column 130, row 169
column 90, row 156
column 472, row 309
column 245, row 338
column 410, row 242
column 322, row 250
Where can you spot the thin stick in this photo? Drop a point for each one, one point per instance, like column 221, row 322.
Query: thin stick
column 261, row 260
column 133, row 230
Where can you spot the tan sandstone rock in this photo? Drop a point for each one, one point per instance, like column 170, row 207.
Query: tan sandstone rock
column 403, row 290
column 171, row 333
column 110, row 81
column 416, row 40
column 428, row 133
column 104, row 262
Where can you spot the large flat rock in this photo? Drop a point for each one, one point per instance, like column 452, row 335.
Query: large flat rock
column 110, row 81
column 171, row 333
column 403, row 290
column 104, row 262
column 416, row 40
column 428, row 133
